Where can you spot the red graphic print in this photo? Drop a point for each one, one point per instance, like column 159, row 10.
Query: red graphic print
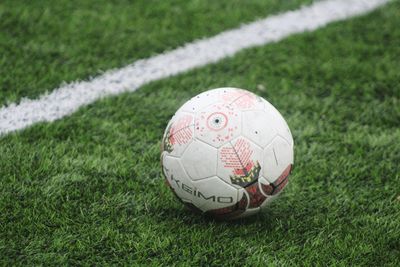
column 245, row 170
column 231, row 96
column 240, row 99
column 238, row 156
column 181, row 132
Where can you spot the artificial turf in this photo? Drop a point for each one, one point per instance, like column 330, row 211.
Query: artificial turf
column 87, row 189
column 44, row 43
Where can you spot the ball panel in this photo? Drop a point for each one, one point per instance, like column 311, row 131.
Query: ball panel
column 179, row 133
column 239, row 162
column 259, row 127
column 217, row 124
column 177, row 178
column 277, row 186
column 277, row 157
column 242, row 100
column 200, row 160
column 213, row 193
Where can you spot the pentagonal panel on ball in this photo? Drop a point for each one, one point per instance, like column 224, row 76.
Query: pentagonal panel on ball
column 213, row 193
column 217, row 124
column 278, row 157
column 179, row 133
column 177, row 178
column 258, row 126
column 200, row 160
column 239, row 162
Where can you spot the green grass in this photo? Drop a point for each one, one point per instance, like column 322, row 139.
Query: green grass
column 88, row 190
column 43, row 43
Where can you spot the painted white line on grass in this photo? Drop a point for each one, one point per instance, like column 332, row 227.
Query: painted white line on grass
column 70, row 97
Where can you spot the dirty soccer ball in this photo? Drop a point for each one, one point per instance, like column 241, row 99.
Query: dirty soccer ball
column 227, row 153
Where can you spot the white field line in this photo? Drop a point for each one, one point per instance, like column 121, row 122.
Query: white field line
column 70, row 97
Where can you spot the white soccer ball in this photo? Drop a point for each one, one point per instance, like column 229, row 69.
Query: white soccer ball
column 227, row 152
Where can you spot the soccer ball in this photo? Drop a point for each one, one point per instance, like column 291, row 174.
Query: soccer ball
column 227, row 153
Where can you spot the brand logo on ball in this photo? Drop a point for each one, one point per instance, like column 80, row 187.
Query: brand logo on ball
column 195, row 192
column 238, row 157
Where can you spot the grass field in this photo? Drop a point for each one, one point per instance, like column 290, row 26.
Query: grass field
column 43, row 43
column 87, row 189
